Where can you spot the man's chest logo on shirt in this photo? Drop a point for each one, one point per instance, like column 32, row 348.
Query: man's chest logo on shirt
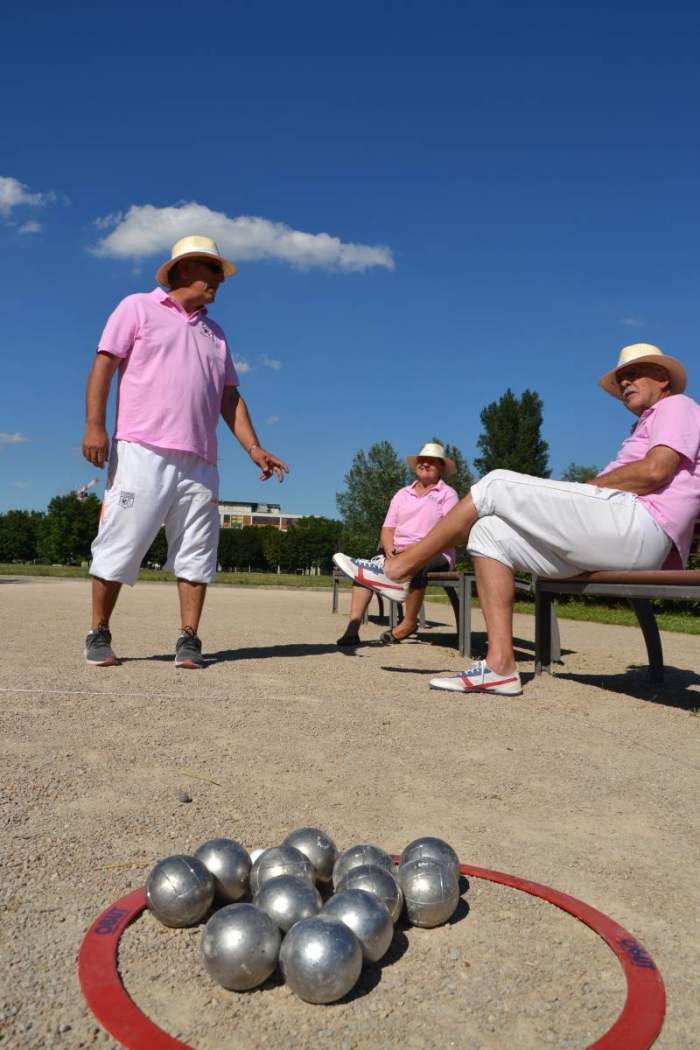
column 205, row 330
column 126, row 499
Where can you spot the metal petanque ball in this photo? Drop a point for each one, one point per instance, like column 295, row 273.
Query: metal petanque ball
column 430, row 848
column 229, row 863
column 378, row 881
column 367, row 917
column 431, row 891
column 279, row 860
column 240, row 946
column 321, row 959
column 318, row 847
column 287, row 899
column 363, row 853
column 180, row 890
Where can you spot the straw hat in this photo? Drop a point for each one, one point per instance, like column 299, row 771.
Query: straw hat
column 435, row 451
column 188, row 248
column 637, row 354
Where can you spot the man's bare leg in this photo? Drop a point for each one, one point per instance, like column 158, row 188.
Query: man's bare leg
column 191, row 597
column 494, row 584
column 359, row 603
column 411, row 609
column 450, row 532
column 104, row 598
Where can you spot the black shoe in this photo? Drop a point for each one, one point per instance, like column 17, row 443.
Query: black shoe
column 188, row 652
column 349, row 640
column 389, row 638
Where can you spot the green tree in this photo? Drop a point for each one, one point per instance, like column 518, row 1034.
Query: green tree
column 240, row 548
column 312, row 541
column 579, row 472
column 68, row 529
column 462, row 479
column 275, row 548
column 19, row 530
column 372, row 480
column 511, row 438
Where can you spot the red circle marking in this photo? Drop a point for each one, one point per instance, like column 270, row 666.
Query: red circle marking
column 635, row 1029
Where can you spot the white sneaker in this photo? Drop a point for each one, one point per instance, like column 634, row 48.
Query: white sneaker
column 369, row 573
column 479, row 678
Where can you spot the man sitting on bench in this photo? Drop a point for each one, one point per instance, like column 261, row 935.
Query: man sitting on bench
column 639, row 512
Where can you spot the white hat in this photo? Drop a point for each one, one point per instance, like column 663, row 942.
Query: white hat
column 638, row 353
column 434, row 451
column 188, row 248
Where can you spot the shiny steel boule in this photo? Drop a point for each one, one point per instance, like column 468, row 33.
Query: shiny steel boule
column 321, row 959
column 367, row 917
column 279, row 860
column 364, row 853
column 431, row 891
column 240, row 946
column 318, row 847
column 287, row 899
column 430, row 848
column 179, row 890
column 375, row 880
column 229, row 863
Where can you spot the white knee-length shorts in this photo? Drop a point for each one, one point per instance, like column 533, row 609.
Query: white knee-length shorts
column 561, row 528
column 150, row 487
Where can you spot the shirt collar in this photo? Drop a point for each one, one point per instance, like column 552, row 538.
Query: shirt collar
column 436, row 488
column 161, row 296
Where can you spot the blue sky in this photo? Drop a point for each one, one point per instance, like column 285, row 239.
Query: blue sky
column 520, row 185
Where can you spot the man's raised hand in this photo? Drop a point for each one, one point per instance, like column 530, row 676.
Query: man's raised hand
column 269, row 464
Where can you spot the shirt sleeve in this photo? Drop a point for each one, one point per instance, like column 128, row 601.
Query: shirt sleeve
column 230, row 373
column 675, row 425
column 392, row 515
column 121, row 330
column 450, row 500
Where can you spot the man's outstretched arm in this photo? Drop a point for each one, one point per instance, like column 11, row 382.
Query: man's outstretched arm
column 644, row 475
column 236, row 416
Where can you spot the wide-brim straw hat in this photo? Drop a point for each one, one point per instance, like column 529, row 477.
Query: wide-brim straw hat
column 637, row 354
column 188, row 248
column 435, row 451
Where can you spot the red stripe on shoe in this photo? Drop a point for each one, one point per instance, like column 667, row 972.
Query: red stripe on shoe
column 488, row 685
column 361, row 578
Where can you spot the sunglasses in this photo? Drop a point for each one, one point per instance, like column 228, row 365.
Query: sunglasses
column 212, row 267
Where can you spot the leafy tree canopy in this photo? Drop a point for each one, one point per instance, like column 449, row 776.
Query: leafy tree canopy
column 579, row 472
column 372, row 480
column 511, row 438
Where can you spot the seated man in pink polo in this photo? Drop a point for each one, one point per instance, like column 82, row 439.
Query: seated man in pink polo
column 639, row 513
column 413, row 511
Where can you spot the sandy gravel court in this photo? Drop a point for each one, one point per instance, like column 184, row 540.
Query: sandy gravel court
column 588, row 783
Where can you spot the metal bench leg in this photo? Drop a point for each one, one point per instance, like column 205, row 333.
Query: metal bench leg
column 650, row 630
column 464, row 620
column 395, row 614
column 555, row 640
column 334, row 603
column 543, row 631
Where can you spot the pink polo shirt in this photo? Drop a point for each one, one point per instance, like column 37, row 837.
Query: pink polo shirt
column 675, row 422
column 172, row 375
column 412, row 516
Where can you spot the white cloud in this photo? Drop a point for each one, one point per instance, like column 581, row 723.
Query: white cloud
column 14, row 194
column 633, row 322
column 271, row 420
column 145, row 230
column 30, row 227
column 242, row 366
column 13, row 439
column 271, row 362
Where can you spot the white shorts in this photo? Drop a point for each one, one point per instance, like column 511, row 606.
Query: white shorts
column 149, row 487
column 562, row 528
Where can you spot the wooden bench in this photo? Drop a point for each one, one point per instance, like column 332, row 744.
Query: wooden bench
column 637, row 587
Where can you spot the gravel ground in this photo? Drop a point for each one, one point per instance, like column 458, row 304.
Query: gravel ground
column 586, row 783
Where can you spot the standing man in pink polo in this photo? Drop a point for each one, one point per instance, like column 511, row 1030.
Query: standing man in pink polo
column 176, row 377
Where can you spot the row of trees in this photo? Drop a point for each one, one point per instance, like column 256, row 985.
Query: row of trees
column 511, row 439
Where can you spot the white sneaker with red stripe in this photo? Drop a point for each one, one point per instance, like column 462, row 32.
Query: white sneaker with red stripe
column 479, row 678
column 369, row 573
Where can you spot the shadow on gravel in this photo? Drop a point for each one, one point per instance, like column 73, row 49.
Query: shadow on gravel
column 674, row 691
column 261, row 652
column 371, row 973
column 13, row 579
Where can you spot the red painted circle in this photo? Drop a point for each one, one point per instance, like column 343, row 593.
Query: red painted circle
column 635, row 1029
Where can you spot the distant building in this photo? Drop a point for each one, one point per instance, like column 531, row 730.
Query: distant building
column 234, row 514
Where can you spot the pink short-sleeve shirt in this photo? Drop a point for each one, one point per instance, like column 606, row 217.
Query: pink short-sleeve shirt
column 174, row 367
column 675, row 422
column 412, row 516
